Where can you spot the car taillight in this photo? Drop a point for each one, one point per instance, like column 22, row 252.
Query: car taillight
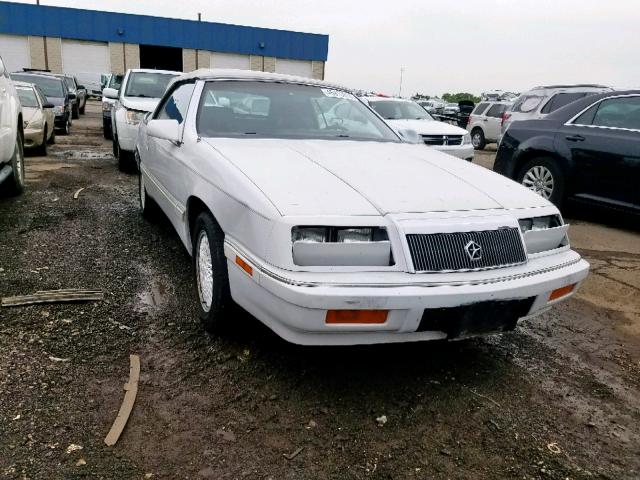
column 505, row 117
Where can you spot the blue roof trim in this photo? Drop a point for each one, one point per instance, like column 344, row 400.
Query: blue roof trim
column 29, row 19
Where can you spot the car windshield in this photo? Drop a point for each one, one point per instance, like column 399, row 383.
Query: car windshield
column 28, row 97
column 284, row 110
column 394, row 110
column 51, row 86
column 71, row 84
column 115, row 81
column 147, row 84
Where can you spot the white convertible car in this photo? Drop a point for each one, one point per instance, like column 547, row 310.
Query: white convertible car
column 333, row 231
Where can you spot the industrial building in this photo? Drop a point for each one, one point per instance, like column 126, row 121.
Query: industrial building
column 89, row 43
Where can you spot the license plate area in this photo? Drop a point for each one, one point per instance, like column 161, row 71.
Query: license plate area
column 476, row 318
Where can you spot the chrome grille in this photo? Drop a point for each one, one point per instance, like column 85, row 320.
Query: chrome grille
column 442, row 252
column 442, row 140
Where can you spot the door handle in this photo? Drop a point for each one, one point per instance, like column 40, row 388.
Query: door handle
column 575, row 138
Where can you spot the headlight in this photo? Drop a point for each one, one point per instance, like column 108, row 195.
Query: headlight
column 539, row 223
column 543, row 233
column 338, row 234
column 341, row 246
column 106, row 106
column 58, row 110
column 466, row 140
column 134, row 118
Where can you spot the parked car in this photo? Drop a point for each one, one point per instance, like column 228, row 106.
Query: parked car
column 587, row 151
column 139, row 94
column 11, row 136
column 541, row 101
column 485, row 123
column 405, row 114
column 57, row 94
column 38, row 119
column 451, row 109
column 92, row 83
column 114, row 81
column 431, row 106
column 81, row 95
column 337, row 235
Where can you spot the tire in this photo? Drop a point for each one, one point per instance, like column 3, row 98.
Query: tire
column 543, row 176
column 66, row 130
column 75, row 111
column 82, row 108
column 211, row 275
column 42, row 149
column 148, row 206
column 106, row 129
column 52, row 138
column 477, row 139
column 115, row 145
column 15, row 182
column 125, row 159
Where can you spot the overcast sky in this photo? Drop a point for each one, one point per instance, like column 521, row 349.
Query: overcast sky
column 444, row 46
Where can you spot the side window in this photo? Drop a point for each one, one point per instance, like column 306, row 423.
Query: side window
column 561, row 99
column 176, row 105
column 623, row 112
column 496, row 110
column 587, row 117
column 480, row 108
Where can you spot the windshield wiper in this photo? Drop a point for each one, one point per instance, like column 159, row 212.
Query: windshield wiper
column 141, row 95
column 342, row 135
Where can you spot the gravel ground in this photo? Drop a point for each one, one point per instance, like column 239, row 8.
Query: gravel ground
column 557, row 398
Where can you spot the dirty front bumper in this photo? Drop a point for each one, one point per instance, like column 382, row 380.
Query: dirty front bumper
column 420, row 306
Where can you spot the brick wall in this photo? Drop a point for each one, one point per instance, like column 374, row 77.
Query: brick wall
column 54, row 54
column 116, row 56
column 269, row 64
column 36, row 52
column 188, row 60
column 317, row 70
column 131, row 55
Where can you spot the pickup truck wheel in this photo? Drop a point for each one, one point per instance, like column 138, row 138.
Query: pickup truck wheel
column 477, row 139
column 543, row 176
column 15, row 183
column 212, row 277
column 106, row 129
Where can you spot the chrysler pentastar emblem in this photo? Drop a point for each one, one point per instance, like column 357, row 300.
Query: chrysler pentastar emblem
column 473, row 250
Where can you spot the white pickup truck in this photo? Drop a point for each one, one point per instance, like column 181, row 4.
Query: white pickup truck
column 11, row 136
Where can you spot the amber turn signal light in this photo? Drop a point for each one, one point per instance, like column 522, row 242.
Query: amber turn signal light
column 356, row 316
column 244, row 265
column 561, row 292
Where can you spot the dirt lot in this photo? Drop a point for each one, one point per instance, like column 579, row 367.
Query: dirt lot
column 558, row 398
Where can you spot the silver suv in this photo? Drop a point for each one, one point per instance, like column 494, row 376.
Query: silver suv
column 541, row 101
column 485, row 123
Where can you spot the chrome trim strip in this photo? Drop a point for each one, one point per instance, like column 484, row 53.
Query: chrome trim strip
column 486, row 281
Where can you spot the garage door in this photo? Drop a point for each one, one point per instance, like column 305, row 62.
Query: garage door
column 230, row 60
column 80, row 58
column 14, row 51
column 301, row 68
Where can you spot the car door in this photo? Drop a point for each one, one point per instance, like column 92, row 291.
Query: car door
column 604, row 142
column 167, row 163
column 492, row 121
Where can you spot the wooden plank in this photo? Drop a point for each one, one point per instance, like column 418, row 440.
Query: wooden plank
column 52, row 296
column 131, row 390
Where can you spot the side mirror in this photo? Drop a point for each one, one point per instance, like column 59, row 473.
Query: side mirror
column 165, row 130
column 110, row 93
column 410, row 136
column 81, row 87
column 48, row 105
column 72, row 96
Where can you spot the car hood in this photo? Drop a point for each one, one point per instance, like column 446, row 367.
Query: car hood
column 57, row 101
column 335, row 177
column 427, row 127
column 141, row 104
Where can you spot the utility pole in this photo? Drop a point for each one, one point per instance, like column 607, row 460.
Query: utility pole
column 199, row 20
column 400, row 90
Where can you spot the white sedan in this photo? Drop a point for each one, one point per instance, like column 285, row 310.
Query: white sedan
column 407, row 115
column 335, row 231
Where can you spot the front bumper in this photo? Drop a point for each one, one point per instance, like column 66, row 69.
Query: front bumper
column 465, row 152
column 295, row 304
column 127, row 135
column 33, row 137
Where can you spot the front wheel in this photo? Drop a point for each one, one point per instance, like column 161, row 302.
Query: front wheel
column 148, row 206
column 42, row 149
column 543, row 176
column 15, row 183
column 477, row 139
column 212, row 277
